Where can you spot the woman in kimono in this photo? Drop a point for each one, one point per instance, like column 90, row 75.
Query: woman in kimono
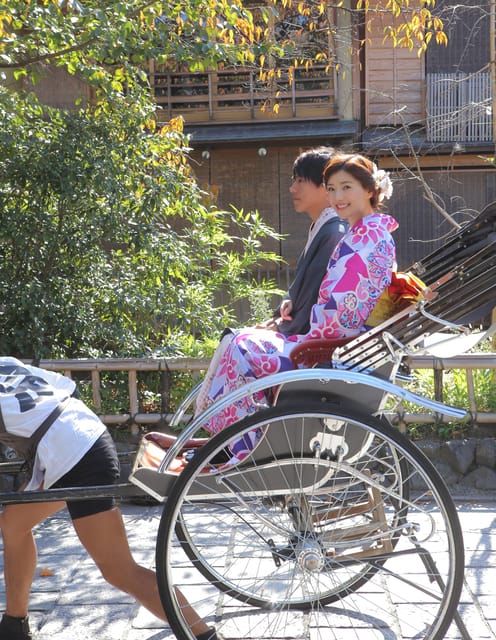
column 359, row 270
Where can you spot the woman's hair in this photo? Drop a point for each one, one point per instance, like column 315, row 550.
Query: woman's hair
column 363, row 170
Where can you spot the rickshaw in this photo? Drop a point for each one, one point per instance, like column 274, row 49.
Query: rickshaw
column 335, row 525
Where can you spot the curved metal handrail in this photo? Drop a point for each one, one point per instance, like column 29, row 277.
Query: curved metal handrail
column 321, row 375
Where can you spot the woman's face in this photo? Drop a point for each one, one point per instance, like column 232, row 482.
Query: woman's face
column 347, row 197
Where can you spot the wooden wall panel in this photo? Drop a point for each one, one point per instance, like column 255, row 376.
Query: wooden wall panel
column 60, row 89
column 394, row 84
column 248, row 181
column 251, row 181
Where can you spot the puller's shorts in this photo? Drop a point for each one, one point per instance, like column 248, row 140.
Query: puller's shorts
column 99, row 466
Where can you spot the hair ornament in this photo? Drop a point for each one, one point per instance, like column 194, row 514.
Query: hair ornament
column 383, row 183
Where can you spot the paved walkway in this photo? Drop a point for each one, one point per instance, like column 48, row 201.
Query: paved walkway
column 73, row 602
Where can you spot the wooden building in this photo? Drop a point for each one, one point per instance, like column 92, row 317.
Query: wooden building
column 428, row 119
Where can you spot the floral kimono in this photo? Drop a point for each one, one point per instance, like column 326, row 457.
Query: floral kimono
column 358, row 271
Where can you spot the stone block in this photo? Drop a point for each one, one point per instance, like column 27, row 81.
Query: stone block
column 481, row 478
column 459, row 454
column 485, row 453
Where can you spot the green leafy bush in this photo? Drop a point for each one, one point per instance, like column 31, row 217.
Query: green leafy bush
column 455, row 392
column 109, row 248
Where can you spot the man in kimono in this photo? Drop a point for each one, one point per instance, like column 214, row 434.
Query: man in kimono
column 326, row 229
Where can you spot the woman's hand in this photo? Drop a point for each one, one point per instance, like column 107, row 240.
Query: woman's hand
column 272, row 324
column 284, row 314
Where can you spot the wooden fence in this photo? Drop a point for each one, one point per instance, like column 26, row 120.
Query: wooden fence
column 93, row 369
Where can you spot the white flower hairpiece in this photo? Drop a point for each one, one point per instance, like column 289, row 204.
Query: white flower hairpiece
column 383, row 183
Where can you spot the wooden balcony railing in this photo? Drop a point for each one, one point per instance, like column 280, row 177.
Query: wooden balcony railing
column 459, row 107
column 238, row 96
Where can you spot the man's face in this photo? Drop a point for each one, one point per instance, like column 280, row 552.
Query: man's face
column 308, row 197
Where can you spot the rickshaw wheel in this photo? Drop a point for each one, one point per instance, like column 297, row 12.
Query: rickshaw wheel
column 322, row 519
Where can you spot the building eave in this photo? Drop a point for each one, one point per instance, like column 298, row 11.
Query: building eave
column 383, row 140
column 257, row 132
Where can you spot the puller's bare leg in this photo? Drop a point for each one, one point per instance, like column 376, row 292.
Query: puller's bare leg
column 20, row 554
column 104, row 537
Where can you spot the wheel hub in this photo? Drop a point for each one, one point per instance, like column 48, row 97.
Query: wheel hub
column 311, row 560
column 310, row 554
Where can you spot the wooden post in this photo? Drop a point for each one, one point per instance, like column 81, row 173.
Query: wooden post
column 95, row 386
column 438, row 385
column 165, row 391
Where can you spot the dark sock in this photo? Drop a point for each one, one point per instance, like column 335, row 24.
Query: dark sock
column 14, row 620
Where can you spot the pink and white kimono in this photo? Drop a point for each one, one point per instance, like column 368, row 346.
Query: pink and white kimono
column 358, row 271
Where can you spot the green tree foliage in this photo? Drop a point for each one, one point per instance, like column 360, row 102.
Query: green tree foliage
column 107, row 244
column 84, row 34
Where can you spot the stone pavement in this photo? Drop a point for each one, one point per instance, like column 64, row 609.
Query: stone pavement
column 72, row 602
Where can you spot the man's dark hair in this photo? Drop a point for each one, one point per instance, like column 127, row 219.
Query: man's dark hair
column 310, row 164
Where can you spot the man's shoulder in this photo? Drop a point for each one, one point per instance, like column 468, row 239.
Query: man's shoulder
column 324, row 242
column 335, row 220
column 332, row 227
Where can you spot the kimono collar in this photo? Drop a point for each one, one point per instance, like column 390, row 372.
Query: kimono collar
column 326, row 215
